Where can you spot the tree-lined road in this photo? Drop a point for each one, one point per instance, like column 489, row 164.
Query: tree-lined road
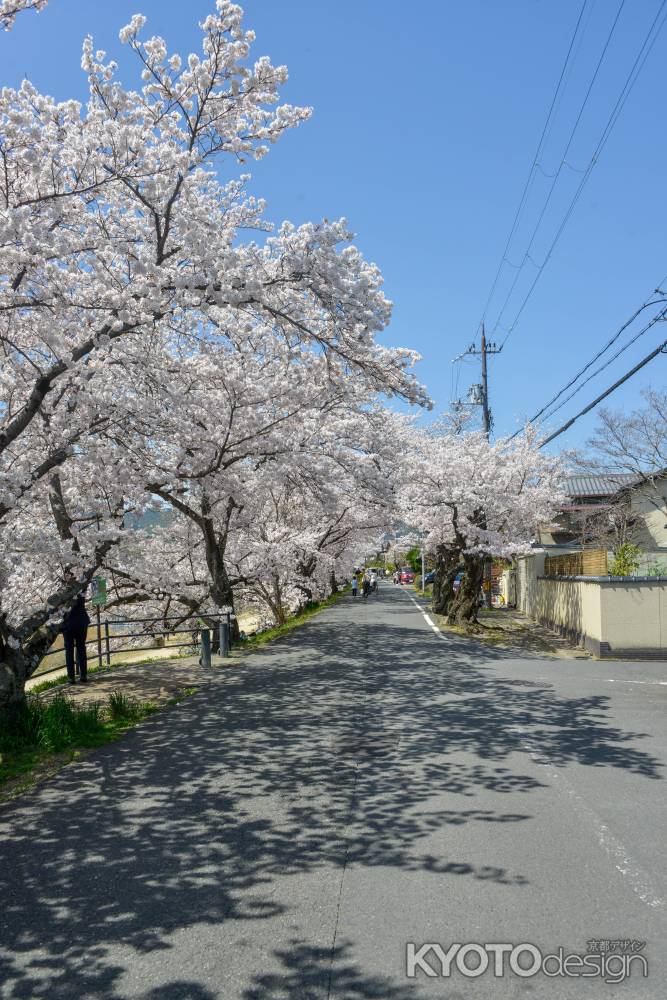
column 363, row 783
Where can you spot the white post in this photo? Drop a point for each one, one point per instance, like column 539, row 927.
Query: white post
column 423, row 587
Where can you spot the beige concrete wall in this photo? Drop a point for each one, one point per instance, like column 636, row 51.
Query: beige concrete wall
column 634, row 615
column 528, row 569
column 606, row 616
column 573, row 605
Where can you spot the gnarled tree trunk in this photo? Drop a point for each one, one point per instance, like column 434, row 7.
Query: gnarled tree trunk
column 463, row 609
column 19, row 662
column 447, row 560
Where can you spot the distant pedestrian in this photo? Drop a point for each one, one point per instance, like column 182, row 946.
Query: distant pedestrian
column 355, row 585
column 366, row 587
column 75, row 632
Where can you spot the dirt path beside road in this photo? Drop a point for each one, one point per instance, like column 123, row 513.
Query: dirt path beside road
column 154, row 682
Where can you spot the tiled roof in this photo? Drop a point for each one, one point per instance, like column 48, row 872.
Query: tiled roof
column 598, row 485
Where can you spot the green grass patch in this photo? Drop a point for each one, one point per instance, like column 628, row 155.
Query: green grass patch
column 40, row 736
column 261, row 638
column 183, row 693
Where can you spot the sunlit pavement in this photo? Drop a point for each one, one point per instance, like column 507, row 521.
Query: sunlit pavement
column 361, row 784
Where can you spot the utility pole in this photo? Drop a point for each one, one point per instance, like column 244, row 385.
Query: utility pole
column 478, row 395
column 486, row 416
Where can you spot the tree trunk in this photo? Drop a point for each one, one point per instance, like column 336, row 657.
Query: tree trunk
column 13, row 675
column 307, row 594
column 221, row 589
column 278, row 606
column 447, row 560
column 333, row 583
column 18, row 664
column 306, row 568
column 463, row 609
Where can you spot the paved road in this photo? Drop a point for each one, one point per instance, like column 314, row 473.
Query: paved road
column 363, row 783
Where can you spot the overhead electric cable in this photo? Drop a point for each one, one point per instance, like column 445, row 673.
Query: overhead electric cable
column 631, row 79
column 555, row 177
column 633, row 371
column 660, row 317
column 612, row 340
column 534, row 164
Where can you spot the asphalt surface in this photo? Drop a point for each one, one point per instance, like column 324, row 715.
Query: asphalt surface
column 361, row 784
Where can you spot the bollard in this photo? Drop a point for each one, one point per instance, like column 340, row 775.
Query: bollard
column 223, row 633
column 205, row 658
column 106, row 642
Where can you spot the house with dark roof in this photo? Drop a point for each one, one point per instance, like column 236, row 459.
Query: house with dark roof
column 606, row 509
column 612, row 616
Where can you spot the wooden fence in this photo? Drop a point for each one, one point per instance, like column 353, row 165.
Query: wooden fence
column 589, row 562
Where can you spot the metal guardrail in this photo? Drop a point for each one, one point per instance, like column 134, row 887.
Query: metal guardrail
column 106, row 640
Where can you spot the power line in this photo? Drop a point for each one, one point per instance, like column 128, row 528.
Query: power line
column 526, row 256
column 656, row 319
column 633, row 371
column 534, row 165
column 631, row 79
column 612, row 340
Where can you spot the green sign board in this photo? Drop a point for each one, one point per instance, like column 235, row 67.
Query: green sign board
column 98, row 586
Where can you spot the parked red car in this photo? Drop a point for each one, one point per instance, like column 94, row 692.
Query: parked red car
column 407, row 576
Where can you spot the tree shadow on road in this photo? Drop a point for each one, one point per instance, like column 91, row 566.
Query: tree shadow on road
column 327, row 749
column 316, row 973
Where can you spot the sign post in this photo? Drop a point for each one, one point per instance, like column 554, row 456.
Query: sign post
column 98, row 586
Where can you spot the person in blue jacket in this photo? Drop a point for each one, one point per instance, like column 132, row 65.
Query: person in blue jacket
column 75, row 631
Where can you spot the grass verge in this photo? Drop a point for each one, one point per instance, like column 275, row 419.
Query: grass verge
column 39, row 737
column 261, row 638
column 498, row 628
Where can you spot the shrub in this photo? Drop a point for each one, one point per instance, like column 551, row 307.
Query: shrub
column 50, row 725
column 627, row 558
column 122, row 707
column 64, row 724
column 20, row 726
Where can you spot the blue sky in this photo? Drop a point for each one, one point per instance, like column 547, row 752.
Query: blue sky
column 426, row 120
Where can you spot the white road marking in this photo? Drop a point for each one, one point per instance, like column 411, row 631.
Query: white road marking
column 639, row 880
column 621, row 680
column 429, row 621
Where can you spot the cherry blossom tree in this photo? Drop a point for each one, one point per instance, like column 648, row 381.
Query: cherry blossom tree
column 120, row 249
column 332, row 506
column 473, row 499
column 272, row 454
column 53, row 543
